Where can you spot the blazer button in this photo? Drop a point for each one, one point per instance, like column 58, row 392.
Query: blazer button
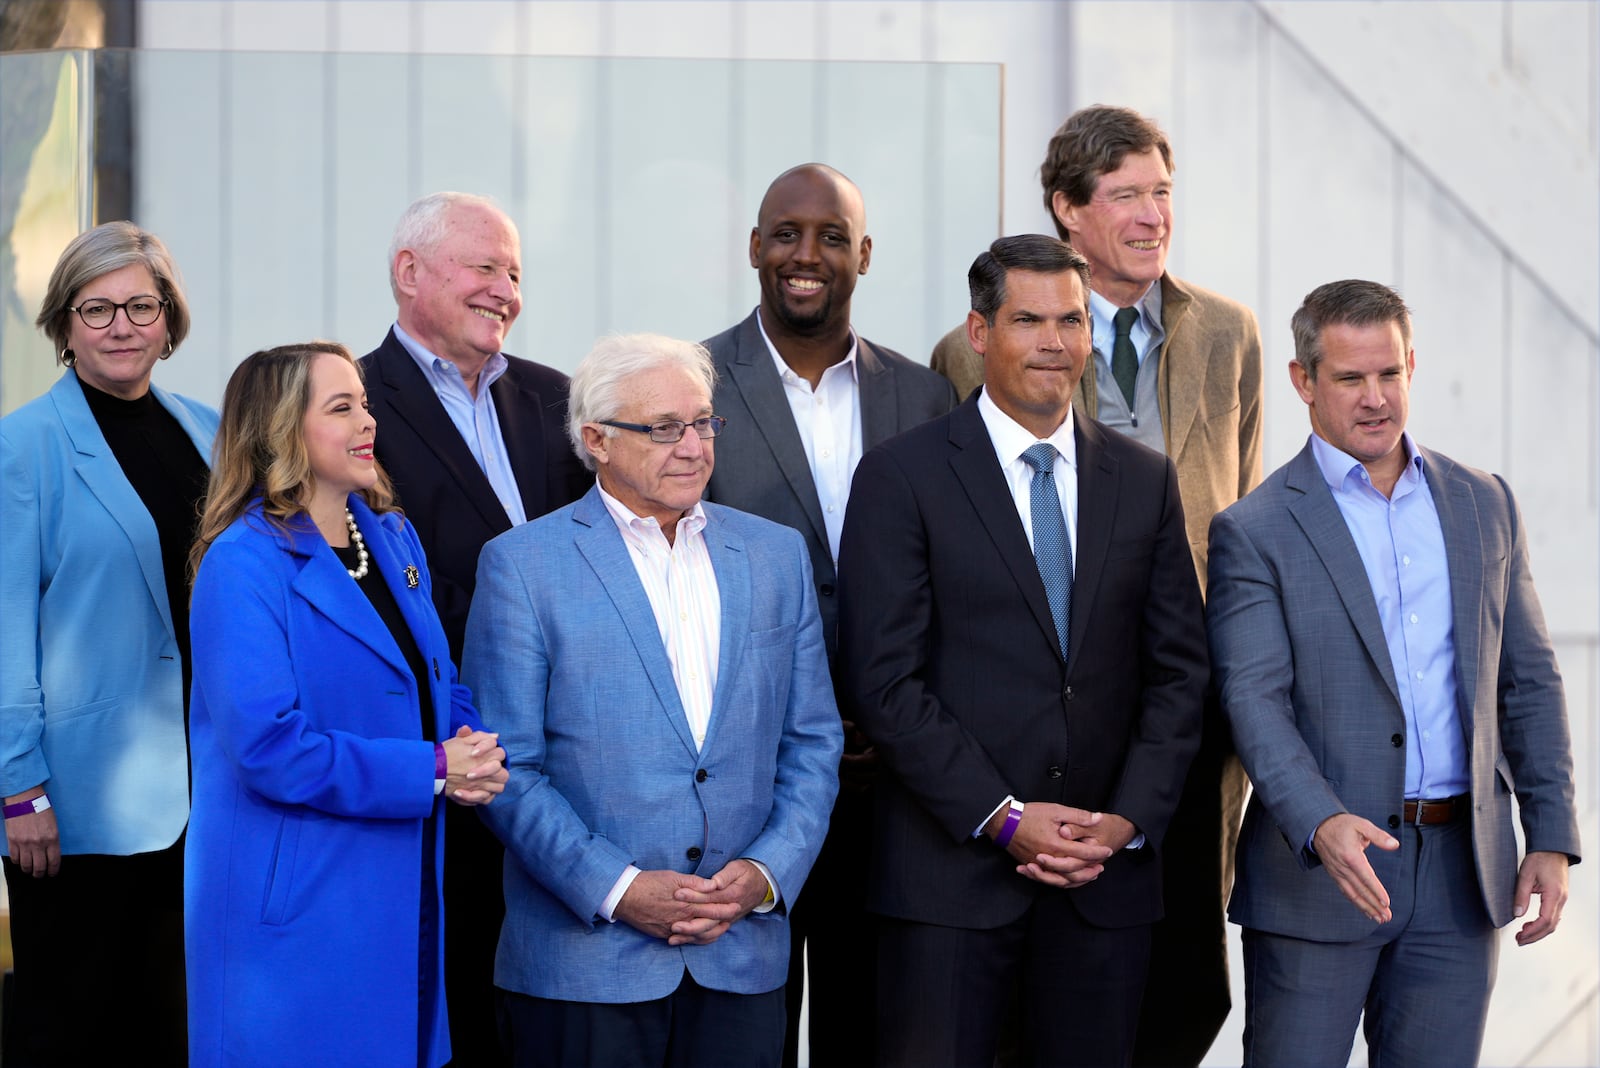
column 1068, row 694
column 693, row 853
column 826, row 589
column 1394, row 823
column 1055, row 771
column 700, row 776
column 1397, row 740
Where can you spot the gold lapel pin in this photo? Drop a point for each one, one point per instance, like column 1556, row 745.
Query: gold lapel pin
column 413, row 577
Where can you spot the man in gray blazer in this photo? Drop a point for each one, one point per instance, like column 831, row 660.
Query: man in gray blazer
column 1383, row 660
column 804, row 397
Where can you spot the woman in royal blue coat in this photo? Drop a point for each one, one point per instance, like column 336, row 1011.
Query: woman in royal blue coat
column 327, row 728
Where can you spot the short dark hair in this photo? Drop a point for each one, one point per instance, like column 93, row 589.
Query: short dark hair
column 1351, row 302
column 1094, row 141
column 986, row 280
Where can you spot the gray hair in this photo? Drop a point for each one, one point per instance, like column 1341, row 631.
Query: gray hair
column 110, row 247
column 596, row 391
column 423, row 225
column 1351, row 302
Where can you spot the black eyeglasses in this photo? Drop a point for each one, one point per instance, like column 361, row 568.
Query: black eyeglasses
column 97, row 314
column 671, row 432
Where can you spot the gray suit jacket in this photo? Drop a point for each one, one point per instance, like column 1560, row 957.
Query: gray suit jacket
column 761, row 462
column 1299, row 655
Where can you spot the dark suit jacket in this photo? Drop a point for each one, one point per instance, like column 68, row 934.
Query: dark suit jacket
column 1208, row 387
column 951, row 664
column 1307, row 683
column 761, row 462
column 444, row 492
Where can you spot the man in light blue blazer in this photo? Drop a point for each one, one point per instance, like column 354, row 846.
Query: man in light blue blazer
column 655, row 668
column 1383, row 660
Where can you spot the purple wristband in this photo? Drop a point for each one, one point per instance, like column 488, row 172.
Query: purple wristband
column 441, row 763
column 1013, row 820
column 27, row 808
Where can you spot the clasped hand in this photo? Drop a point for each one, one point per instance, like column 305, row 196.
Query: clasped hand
column 690, row 910
column 477, row 769
column 1061, row 846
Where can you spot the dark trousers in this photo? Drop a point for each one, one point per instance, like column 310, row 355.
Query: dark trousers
column 944, row 993
column 692, row 1027
column 1187, row 998
column 474, row 906
column 832, row 934
column 98, row 962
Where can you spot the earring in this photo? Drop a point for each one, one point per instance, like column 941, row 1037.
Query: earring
column 168, row 353
column 68, row 357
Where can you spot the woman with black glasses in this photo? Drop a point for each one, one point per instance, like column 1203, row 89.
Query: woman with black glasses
column 100, row 479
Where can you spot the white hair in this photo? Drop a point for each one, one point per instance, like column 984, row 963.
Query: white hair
column 423, row 225
column 597, row 384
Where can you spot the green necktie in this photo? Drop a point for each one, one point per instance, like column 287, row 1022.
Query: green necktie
column 1124, row 361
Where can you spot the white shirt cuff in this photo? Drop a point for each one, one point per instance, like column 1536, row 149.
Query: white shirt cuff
column 1008, row 799
column 766, row 873
column 608, row 907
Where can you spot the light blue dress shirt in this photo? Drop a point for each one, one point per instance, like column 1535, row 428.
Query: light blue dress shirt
column 474, row 418
column 1402, row 547
column 1147, row 333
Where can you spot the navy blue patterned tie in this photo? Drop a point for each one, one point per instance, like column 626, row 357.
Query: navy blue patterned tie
column 1052, row 549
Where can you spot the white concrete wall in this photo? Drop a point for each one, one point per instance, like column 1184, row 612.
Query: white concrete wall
column 1447, row 148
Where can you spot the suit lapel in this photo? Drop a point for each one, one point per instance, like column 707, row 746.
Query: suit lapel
column 324, row 584
column 977, row 468
column 97, row 465
column 751, row 373
column 1323, row 524
column 521, row 414
column 1183, row 371
column 732, row 565
column 1464, row 559
column 1098, row 487
column 879, row 401
column 601, row 545
column 409, row 393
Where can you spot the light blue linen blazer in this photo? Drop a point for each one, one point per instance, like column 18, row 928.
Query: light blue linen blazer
column 91, row 688
column 568, row 665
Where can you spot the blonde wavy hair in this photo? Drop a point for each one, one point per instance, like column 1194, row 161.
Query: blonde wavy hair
column 260, row 449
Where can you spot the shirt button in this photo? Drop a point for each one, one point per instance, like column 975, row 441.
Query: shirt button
column 1419, row 674
column 1406, row 560
column 1413, row 617
column 827, row 454
column 830, row 509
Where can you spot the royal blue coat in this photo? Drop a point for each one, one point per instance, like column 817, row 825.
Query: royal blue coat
column 311, row 784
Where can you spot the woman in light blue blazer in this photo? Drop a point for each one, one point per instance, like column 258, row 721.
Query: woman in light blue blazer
column 99, row 484
column 327, row 729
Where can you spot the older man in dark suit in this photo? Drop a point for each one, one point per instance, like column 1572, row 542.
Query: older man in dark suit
column 1021, row 637
column 804, row 395
column 1383, row 659
column 475, row 443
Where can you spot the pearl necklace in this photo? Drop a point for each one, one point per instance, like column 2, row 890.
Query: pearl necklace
column 360, row 543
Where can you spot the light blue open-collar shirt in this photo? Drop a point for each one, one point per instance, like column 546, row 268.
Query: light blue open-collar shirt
column 1402, row 547
column 474, row 418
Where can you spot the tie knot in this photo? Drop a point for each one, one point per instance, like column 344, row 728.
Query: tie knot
column 1040, row 457
column 1124, row 320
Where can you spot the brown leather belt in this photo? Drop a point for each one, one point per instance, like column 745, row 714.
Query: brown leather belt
column 1444, row 810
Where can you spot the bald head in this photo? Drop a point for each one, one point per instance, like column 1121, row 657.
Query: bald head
column 809, row 245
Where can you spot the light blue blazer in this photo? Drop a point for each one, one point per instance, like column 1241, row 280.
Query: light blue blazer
column 563, row 652
column 303, row 866
column 1298, row 650
column 91, row 688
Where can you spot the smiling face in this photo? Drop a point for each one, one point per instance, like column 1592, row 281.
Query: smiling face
column 652, row 478
column 1125, row 229
column 119, row 358
column 338, row 433
column 1361, row 395
column 809, row 245
column 1035, row 352
column 460, row 297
